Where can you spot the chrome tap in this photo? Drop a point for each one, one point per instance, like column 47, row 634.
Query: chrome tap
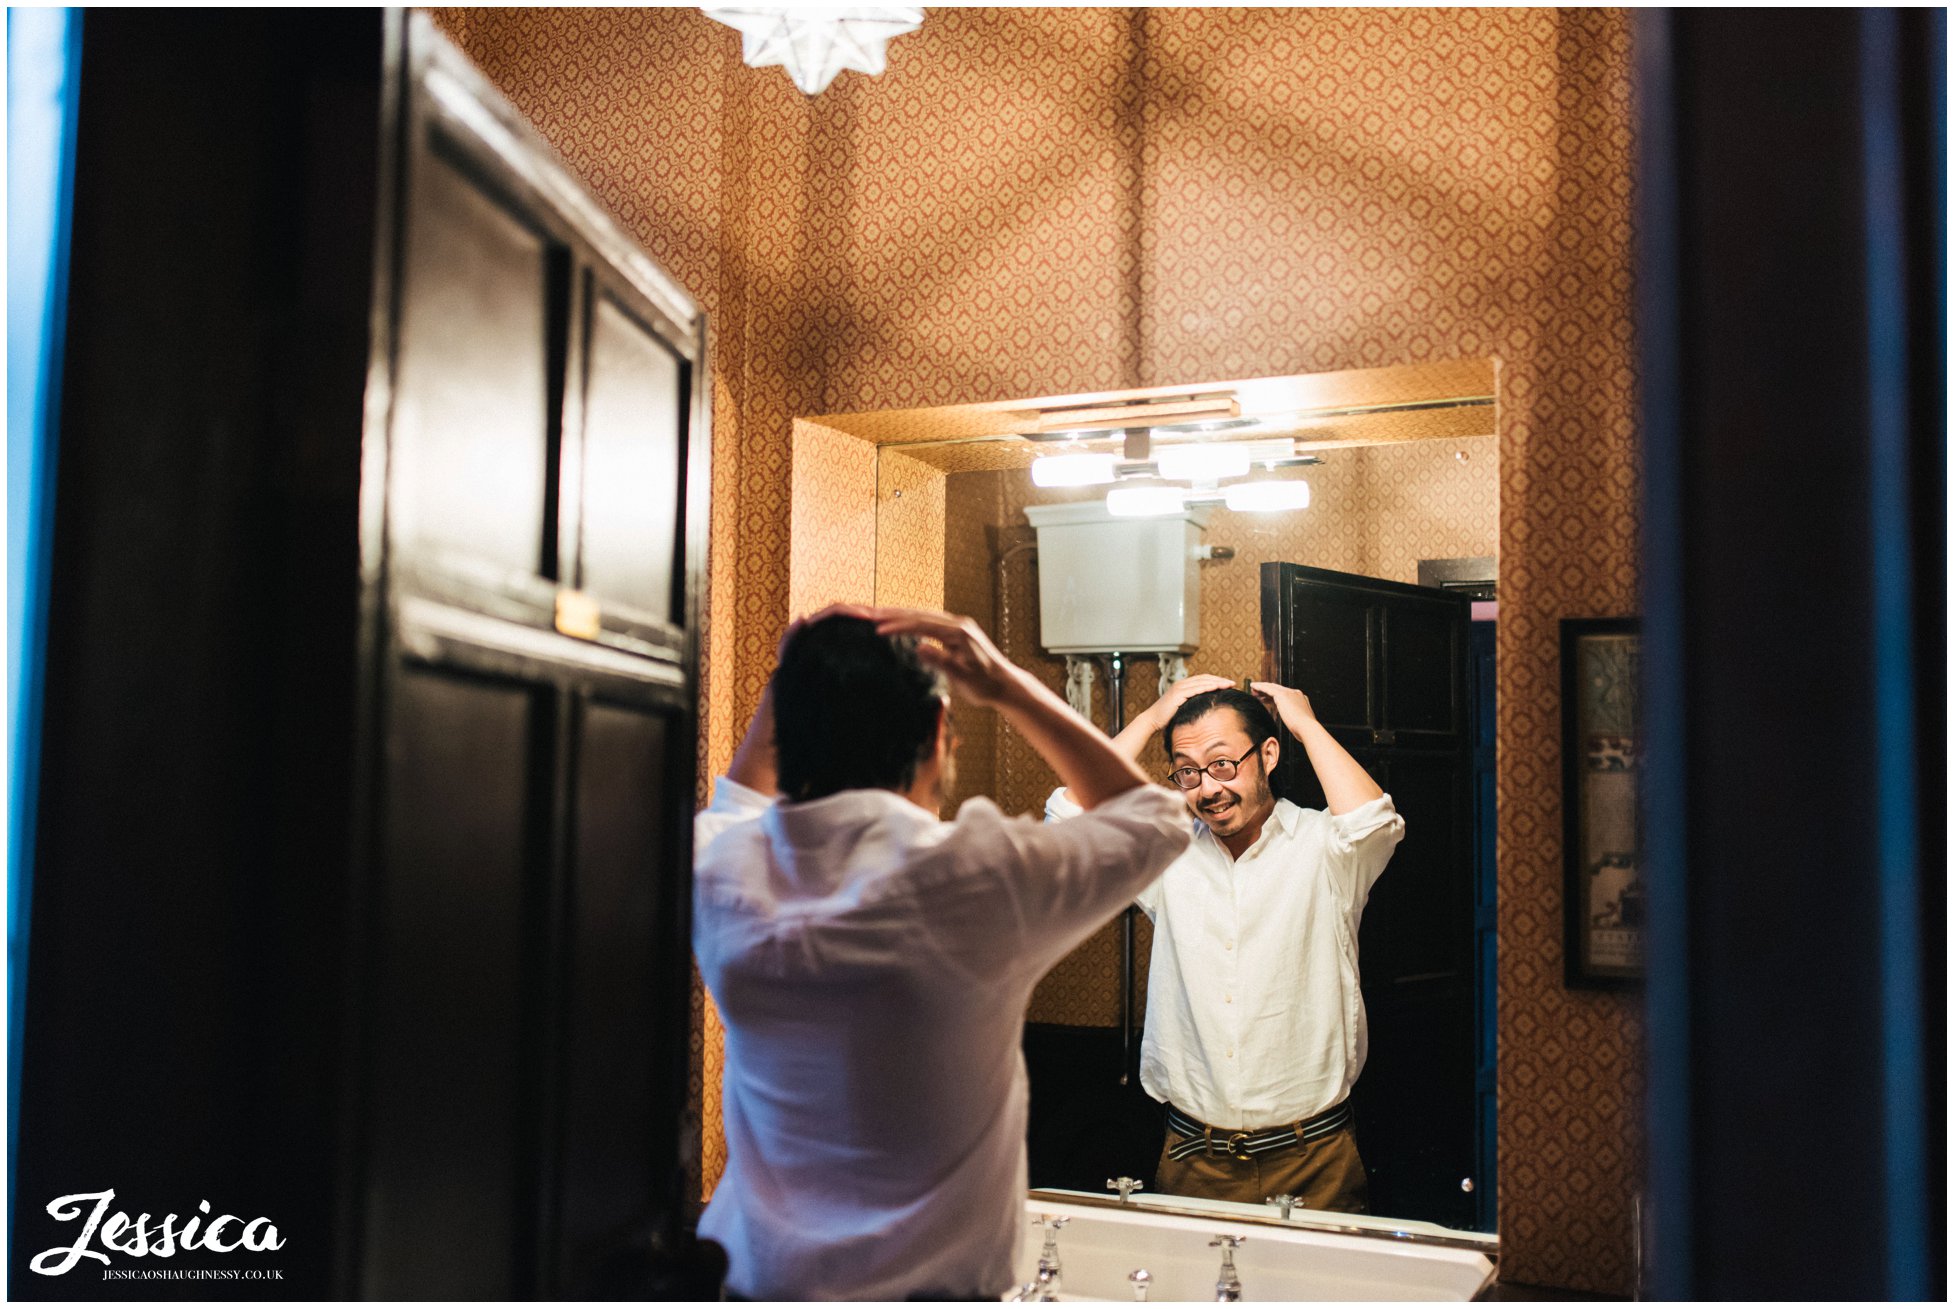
column 1284, row 1203
column 1228, row 1284
column 1126, row 1186
column 1048, row 1279
column 1139, row 1277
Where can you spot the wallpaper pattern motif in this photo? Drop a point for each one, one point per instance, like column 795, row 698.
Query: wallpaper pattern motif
column 1048, row 200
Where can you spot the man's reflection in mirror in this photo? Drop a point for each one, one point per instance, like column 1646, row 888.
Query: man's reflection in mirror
column 1255, row 1028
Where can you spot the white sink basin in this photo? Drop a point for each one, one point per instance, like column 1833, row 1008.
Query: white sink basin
column 1101, row 1245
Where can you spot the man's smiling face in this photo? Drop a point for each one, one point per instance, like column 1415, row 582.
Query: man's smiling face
column 1242, row 802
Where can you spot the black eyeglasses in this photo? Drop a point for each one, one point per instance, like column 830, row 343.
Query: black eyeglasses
column 1222, row 770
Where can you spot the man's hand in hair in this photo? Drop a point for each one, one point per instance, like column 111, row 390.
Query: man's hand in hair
column 1078, row 752
column 957, row 648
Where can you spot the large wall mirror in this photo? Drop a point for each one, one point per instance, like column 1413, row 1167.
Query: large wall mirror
column 1337, row 529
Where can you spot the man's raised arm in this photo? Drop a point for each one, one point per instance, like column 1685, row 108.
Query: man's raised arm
column 1085, row 760
column 1345, row 783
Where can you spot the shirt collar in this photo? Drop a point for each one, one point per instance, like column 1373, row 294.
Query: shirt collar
column 817, row 845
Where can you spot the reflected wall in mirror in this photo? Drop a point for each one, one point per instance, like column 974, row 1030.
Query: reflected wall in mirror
column 1401, row 469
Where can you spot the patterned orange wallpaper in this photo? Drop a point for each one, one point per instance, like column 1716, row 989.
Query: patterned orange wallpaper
column 833, row 526
column 1042, row 201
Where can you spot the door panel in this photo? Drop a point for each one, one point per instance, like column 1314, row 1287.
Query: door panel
column 1332, row 645
column 1421, row 662
column 614, row 1146
column 446, row 1188
column 474, row 431
column 1419, row 920
column 1416, row 1111
column 1485, row 909
column 634, row 433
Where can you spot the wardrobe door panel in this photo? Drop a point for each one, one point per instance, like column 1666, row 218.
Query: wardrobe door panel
column 454, row 974
column 617, row 1138
column 475, row 415
column 1423, row 655
column 635, row 402
column 1335, row 635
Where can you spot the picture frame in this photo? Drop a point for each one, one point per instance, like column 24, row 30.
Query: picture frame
column 1601, row 801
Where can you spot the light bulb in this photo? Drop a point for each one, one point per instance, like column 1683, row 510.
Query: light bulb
column 1072, row 470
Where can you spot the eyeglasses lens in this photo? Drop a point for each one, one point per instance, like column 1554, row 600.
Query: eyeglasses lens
column 1222, row 770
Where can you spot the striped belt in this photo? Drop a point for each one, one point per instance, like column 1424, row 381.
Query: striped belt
column 1203, row 1139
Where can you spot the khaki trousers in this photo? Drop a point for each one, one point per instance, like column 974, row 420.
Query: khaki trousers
column 1322, row 1174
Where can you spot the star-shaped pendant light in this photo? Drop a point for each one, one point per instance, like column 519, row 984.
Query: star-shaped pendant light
column 815, row 42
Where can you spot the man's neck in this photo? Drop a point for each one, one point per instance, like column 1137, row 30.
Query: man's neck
column 1238, row 844
column 924, row 796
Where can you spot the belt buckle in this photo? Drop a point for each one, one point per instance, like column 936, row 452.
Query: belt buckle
column 1238, row 1146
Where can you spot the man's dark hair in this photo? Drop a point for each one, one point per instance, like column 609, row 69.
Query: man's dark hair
column 851, row 709
column 1256, row 719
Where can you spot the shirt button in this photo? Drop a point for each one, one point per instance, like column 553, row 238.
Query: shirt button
column 1228, row 945
column 1227, row 999
column 1231, row 1052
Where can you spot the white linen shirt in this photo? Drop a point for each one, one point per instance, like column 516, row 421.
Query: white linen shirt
column 1254, row 1015
column 873, row 965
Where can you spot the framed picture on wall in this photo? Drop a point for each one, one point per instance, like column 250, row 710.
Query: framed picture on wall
column 1600, row 662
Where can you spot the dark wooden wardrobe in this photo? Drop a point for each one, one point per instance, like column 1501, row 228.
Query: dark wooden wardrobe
column 361, row 882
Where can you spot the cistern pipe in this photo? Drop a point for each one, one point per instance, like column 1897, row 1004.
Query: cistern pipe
column 1116, row 698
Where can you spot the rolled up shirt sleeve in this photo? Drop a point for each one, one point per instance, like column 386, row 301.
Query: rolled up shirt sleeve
column 1045, row 887
column 1361, row 843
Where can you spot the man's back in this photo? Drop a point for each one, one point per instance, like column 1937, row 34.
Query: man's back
column 873, row 966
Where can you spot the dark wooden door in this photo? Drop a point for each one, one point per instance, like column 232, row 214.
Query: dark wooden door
column 368, row 760
column 1482, row 682
column 525, row 1049
column 1384, row 665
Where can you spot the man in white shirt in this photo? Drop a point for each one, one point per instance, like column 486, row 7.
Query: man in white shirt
column 1255, row 1024
column 872, row 962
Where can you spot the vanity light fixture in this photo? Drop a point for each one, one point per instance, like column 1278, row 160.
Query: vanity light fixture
column 1266, row 497
column 1212, row 461
column 1073, row 469
column 1201, row 463
column 1145, row 501
column 1208, row 428
column 815, row 42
